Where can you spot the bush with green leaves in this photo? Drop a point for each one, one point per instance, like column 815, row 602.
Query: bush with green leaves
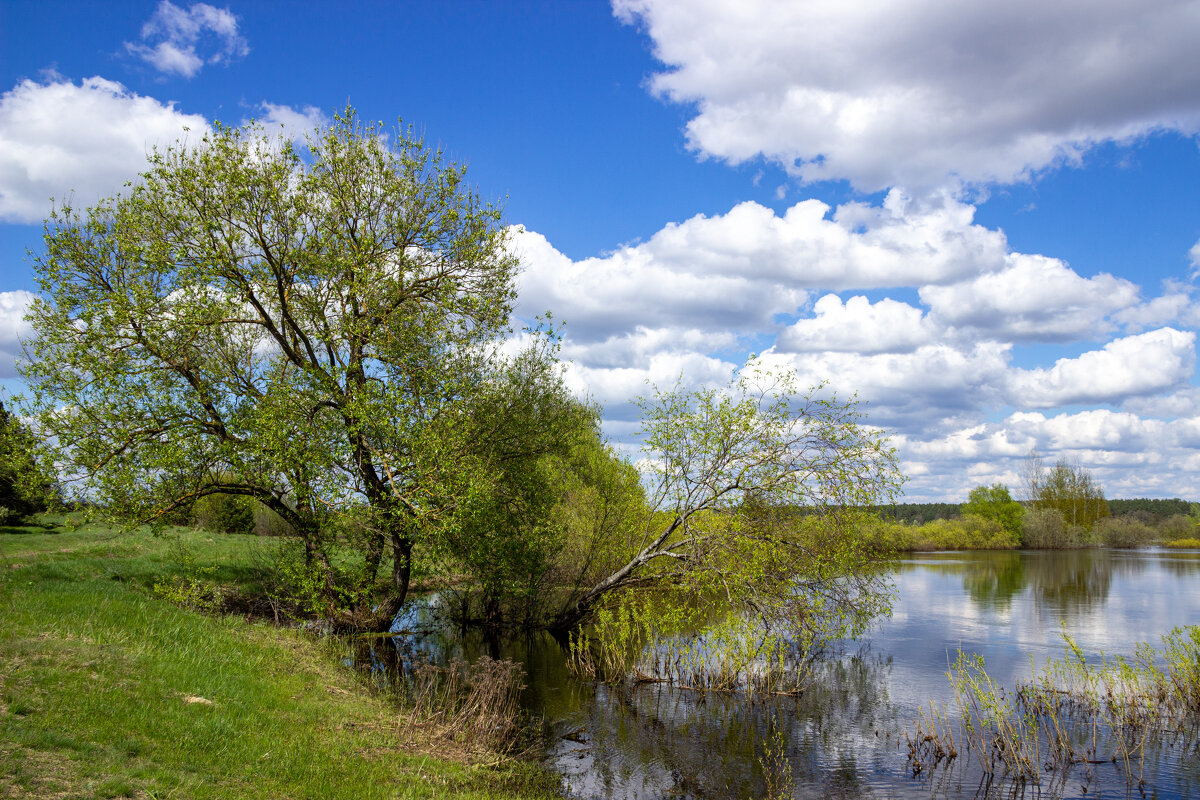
column 1123, row 531
column 224, row 513
column 1176, row 527
column 1045, row 529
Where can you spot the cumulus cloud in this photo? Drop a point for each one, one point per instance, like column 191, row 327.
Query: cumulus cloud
column 920, row 93
column 13, row 329
column 859, row 326
column 1031, row 298
column 83, row 141
column 181, row 41
column 737, row 271
column 1144, row 364
column 933, row 388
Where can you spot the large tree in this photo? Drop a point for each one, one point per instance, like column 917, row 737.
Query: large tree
column 304, row 324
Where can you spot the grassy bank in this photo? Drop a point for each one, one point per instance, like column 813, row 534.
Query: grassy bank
column 109, row 690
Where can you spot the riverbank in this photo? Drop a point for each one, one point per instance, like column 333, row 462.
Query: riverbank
column 108, row 689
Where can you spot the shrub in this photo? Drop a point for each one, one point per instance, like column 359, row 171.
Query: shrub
column 1182, row 543
column 1177, row 527
column 1044, row 528
column 1123, row 531
column 968, row 532
column 224, row 513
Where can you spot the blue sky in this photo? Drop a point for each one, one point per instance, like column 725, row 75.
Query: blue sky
column 982, row 218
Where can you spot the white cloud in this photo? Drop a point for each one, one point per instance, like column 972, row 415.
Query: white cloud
column 737, row 271
column 1145, row 364
column 83, row 142
column 859, row 326
column 929, row 389
column 1194, row 257
column 13, row 329
column 172, row 37
column 1032, row 298
column 639, row 346
column 293, row 123
column 1176, row 304
column 919, row 93
column 616, row 387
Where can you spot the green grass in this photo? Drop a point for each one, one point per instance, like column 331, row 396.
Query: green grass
column 108, row 690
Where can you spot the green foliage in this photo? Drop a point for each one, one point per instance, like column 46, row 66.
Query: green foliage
column 995, row 503
column 754, row 535
column 1123, row 531
column 224, row 513
column 1192, row 542
column 304, row 326
column 510, row 530
column 26, row 487
column 1156, row 508
column 1045, row 528
column 1068, row 488
column 917, row 513
column 968, row 532
column 1176, row 527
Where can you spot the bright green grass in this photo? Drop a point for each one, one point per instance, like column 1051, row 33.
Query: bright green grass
column 101, row 680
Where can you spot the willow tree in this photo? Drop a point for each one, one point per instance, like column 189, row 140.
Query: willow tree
column 757, row 514
column 300, row 324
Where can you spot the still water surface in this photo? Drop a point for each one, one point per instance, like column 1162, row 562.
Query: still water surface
column 844, row 737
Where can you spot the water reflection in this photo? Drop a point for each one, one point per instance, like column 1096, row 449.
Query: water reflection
column 841, row 739
column 653, row 741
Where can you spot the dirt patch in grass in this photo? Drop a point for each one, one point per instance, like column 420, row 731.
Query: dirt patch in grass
column 36, row 773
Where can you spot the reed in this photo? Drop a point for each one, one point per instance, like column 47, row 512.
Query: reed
column 1072, row 712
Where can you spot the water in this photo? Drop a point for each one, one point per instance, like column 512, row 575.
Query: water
column 844, row 737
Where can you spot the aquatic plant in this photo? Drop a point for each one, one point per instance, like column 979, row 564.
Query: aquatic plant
column 1072, row 711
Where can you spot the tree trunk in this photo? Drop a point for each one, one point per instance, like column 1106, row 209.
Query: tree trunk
column 402, row 544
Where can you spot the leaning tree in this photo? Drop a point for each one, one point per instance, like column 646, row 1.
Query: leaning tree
column 757, row 515
column 303, row 324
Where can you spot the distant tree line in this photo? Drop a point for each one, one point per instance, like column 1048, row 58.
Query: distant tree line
column 1156, row 508
column 916, row 513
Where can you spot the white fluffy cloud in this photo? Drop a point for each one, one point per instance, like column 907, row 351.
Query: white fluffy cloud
column 859, row 326
column 181, row 41
column 1032, row 298
column 702, row 292
column 1145, row 364
column 919, row 93
column 83, row 141
column 737, row 271
column 13, row 329
column 929, row 389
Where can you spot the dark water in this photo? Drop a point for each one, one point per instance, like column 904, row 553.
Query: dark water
column 845, row 736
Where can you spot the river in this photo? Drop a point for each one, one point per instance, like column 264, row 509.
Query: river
column 845, row 736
